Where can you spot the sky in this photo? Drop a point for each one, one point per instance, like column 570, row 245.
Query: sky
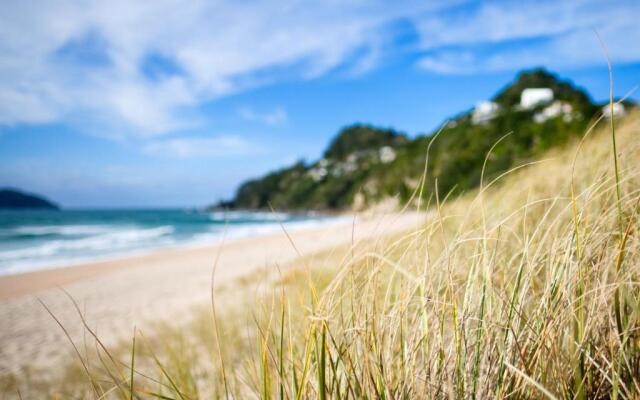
column 169, row 103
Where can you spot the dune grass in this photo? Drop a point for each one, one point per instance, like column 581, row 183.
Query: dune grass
column 528, row 287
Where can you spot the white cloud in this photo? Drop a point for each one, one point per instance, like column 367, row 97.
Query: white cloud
column 493, row 22
column 216, row 147
column 277, row 116
column 69, row 56
column 449, row 62
column 71, row 60
column 511, row 36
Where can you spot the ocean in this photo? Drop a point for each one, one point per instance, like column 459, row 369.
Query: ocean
column 40, row 239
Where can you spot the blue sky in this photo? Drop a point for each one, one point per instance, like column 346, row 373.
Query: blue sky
column 139, row 104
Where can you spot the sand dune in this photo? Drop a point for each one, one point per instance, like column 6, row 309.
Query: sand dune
column 165, row 285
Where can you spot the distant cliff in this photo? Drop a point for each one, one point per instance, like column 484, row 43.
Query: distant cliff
column 13, row 199
column 364, row 164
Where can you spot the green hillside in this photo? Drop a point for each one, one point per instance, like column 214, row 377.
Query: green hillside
column 365, row 164
column 15, row 200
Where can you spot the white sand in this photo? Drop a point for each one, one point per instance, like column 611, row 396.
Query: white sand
column 166, row 285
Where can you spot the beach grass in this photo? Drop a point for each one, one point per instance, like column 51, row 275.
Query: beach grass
column 528, row 287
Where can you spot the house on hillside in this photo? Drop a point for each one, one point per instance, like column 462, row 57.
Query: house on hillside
column 343, row 168
column 556, row 109
column 532, row 97
column 318, row 172
column 618, row 110
column 387, row 154
column 484, row 112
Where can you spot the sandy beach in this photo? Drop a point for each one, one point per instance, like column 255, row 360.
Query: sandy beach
column 165, row 285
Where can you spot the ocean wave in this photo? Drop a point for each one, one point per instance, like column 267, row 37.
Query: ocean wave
column 63, row 230
column 248, row 216
column 114, row 240
column 43, row 246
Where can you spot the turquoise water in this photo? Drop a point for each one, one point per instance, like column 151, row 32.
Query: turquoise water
column 34, row 239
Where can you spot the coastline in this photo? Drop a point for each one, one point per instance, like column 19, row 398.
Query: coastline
column 163, row 285
column 97, row 241
column 18, row 284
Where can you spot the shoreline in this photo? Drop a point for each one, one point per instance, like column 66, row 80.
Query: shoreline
column 22, row 283
column 132, row 254
column 231, row 232
column 164, row 285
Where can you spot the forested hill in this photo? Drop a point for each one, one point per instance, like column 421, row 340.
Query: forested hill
column 14, row 199
column 364, row 164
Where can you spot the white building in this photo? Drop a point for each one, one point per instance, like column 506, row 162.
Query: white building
column 343, row 168
column 618, row 110
column 532, row 97
column 556, row 109
column 484, row 111
column 318, row 173
column 387, row 154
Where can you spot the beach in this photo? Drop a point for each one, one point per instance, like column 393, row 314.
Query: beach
column 164, row 285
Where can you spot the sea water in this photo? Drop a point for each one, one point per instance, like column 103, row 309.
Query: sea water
column 39, row 239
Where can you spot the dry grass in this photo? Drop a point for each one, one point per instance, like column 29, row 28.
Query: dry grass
column 527, row 288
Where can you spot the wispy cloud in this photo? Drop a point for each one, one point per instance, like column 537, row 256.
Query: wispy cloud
column 449, row 62
column 142, row 65
column 510, row 36
column 215, row 147
column 145, row 67
column 277, row 116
